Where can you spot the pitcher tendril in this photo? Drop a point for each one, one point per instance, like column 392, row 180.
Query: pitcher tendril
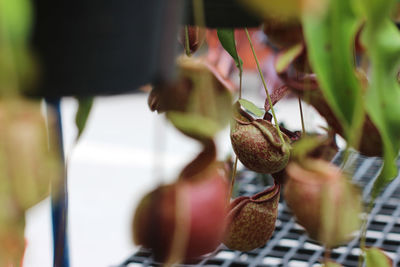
column 363, row 233
column 303, row 128
column 233, row 179
column 240, row 78
column 327, row 255
column 187, row 44
column 265, row 87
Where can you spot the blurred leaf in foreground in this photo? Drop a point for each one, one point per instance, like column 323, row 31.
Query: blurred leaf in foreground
column 377, row 258
column 382, row 41
column 287, row 57
column 193, row 124
column 29, row 162
column 17, row 69
column 332, row 264
column 330, row 39
column 205, row 99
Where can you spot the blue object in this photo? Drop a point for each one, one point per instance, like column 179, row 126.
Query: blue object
column 59, row 202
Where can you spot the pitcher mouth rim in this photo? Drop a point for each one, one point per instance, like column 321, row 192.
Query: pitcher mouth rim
column 330, row 174
column 276, row 188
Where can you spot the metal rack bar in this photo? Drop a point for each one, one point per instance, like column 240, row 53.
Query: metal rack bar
column 59, row 202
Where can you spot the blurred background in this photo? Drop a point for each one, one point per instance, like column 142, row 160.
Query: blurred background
column 73, row 50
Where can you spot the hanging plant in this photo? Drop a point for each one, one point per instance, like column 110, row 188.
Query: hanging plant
column 257, row 144
column 251, row 220
column 185, row 219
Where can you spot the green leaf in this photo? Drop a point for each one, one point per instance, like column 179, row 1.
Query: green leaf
column 376, row 258
column 376, row 10
column 332, row 264
column 251, row 107
column 15, row 20
column 305, row 146
column 227, row 39
column 330, row 41
column 209, row 100
column 84, row 106
column 285, row 58
column 382, row 40
column 194, row 124
column 17, row 70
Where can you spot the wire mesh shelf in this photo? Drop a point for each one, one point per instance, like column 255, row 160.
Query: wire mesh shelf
column 290, row 246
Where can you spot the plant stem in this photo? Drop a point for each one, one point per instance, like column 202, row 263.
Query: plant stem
column 345, row 156
column 303, row 128
column 363, row 234
column 233, row 179
column 327, row 255
column 265, row 87
column 240, row 76
column 240, row 80
column 187, row 43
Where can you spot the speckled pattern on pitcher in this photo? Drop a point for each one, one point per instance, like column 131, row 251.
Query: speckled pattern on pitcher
column 251, row 220
column 255, row 149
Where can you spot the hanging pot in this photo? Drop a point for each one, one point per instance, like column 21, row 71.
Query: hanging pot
column 99, row 47
column 222, row 14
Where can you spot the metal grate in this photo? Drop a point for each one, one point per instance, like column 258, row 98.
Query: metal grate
column 290, row 246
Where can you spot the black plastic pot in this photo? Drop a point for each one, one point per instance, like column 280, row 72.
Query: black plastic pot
column 101, row 47
column 222, row 14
